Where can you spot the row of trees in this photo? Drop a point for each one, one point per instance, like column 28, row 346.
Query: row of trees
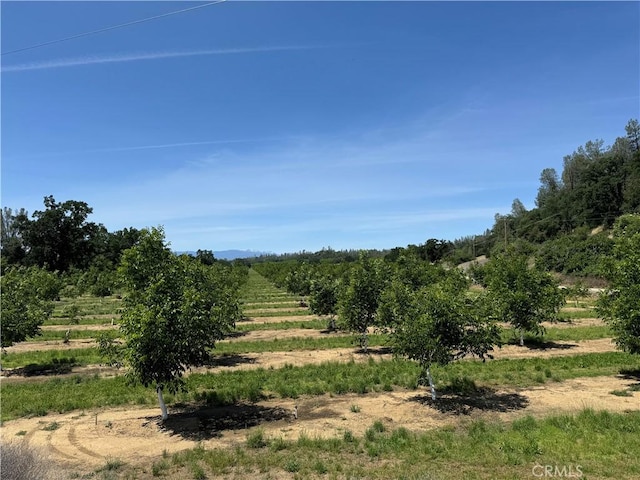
column 428, row 311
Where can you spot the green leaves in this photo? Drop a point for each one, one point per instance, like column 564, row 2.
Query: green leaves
column 175, row 311
column 521, row 295
column 620, row 304
column 27, row 295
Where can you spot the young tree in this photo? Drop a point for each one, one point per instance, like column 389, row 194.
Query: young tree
column 323, row 299
column 521, row 295
column 175, row 310
column 27, row 301
column 620, row 304
column 438, row 324
column 358, row 303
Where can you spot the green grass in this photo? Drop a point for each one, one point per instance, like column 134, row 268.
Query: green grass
column 588, row 444
column 89, row 305
column 267, row 304
column 89, row 356
column 82, row 320
column 295, row 344
column 81, row 356
column 282, row 313
column 49, row 335
column 555, row 334
column 570, row 315
column 228, row 387
column 288, row 325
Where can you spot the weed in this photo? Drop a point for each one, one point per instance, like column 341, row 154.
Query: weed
column 51, row 427
column 158, row 468
column 292, row 466
column 256, row 439
column 198, row 472
column 113, row 464
column 355, row 408
column 348, row 437
column 621, row 393
column 319, row 467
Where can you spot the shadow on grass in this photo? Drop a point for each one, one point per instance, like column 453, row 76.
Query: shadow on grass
column 237, row 334
column 55, row 367
column 204, row 423
column 229, row 360
column 633, row 375
column 484, row 399
column 375, row 351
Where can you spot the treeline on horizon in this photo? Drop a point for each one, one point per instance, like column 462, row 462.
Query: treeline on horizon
column 597, row 185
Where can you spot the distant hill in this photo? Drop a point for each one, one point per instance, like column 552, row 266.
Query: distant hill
column 229, row 254
column 233, row 254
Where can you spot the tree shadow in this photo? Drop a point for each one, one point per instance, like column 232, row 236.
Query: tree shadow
column 204, row 423
column 539, row 344
column 229, row 360
column 633, row 375
column 483, row 399
column 237, row 334
column 374, row 351
column 55, row 367
column 630, row 374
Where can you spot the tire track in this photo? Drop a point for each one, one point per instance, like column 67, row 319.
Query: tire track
column 73, row 440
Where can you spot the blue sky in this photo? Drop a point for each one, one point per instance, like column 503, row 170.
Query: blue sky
column 288, row 126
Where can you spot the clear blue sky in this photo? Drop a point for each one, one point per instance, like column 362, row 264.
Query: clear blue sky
column 298, row 125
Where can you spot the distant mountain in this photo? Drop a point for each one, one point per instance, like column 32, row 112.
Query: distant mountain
column 233, row 254
column 229, row 254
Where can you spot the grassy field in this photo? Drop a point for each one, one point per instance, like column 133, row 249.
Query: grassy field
column 227, row 387
column 477, row 450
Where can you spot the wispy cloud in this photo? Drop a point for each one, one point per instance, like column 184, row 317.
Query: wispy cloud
column 157, row 146
column 134, row 57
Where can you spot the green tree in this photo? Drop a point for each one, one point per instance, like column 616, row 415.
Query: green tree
column 323, row 299
column 358, row 303
column 27, row 301
column 59, row 236
column 13, row 251
column 521, row 295
column 175, row 310
column 439, row 324
column 619, row 305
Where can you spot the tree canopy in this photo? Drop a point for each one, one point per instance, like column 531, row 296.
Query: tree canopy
column 620, row 304
column 175, row 309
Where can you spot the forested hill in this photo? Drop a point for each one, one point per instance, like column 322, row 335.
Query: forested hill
column 597, row 185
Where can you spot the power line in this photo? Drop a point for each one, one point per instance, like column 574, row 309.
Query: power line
column 113, row 27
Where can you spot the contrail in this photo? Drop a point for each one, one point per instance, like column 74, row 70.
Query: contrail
column 152, row 147
column 81, row 61
column 113, row 27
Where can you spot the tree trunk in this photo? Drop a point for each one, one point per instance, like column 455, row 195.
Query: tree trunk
column 163, row 406
column 521, row 337
column 431, row 385
column 364, row 342
column 332, row 324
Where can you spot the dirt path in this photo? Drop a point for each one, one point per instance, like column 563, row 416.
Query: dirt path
column 251, row 361
column 84, row 441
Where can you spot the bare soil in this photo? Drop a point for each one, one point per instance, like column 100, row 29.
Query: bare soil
column 305, row 357
column 81, row 442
